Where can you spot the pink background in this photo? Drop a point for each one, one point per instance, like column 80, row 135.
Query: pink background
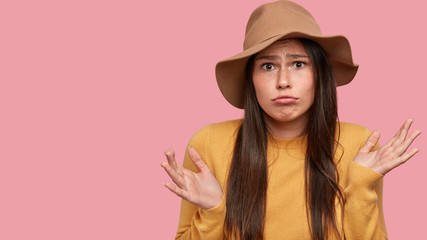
column 92, row 93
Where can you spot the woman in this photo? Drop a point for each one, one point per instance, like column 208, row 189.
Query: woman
column 289, row 169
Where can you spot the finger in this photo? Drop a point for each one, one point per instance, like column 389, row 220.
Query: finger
column 371, row 142
column 173, row 174
column 178, row 191
column 405, row 145
column 197, row 159
column 170, row 156
column 389, row 142
column 403, row 132
column 403, row 126
column 392, row 141
column 405, row 157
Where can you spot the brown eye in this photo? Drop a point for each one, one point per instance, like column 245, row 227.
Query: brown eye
column 299, row 64
column 267, row 66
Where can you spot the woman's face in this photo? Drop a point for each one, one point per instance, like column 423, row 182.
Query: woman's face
column 284, row 82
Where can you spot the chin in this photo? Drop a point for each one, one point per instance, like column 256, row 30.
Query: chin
column 287, row 118
column 282, row 118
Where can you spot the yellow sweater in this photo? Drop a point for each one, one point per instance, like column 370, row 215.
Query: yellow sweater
column 286, row 212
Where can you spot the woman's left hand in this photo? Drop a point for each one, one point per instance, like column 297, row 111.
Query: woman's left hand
column 392, row 154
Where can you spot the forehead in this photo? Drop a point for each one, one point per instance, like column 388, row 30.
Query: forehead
column 284, row 46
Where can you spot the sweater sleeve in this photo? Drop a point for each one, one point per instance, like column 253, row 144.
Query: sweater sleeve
column 194, row 222
column 363, row 211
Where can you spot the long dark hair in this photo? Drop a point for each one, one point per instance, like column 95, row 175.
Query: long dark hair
column 246, row 206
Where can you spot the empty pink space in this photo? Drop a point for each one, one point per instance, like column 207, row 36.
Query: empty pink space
column 93, row 92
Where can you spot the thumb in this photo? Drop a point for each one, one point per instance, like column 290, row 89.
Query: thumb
column 197, row 159
column 371, row 142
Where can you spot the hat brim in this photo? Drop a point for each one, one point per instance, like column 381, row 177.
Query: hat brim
column 230, row 73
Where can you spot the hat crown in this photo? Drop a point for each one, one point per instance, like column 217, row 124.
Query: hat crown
column 278, row 18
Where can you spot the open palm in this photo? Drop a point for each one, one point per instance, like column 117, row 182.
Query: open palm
column 392, row 154
column 201, row 189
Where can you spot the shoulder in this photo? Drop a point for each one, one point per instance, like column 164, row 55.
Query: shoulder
column 216, row 134
column 215, row 143
column 353, row 136
column 353, row 129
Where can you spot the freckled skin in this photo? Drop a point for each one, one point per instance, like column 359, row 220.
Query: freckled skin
column 284, row 68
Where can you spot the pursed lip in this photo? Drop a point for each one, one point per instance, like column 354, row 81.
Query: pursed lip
column 285, row 99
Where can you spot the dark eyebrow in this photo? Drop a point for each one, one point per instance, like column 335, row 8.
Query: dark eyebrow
column 296, row 56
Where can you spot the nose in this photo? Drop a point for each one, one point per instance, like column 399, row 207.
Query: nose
column 283, row 80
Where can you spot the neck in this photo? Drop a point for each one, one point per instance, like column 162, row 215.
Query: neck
column 286, row 130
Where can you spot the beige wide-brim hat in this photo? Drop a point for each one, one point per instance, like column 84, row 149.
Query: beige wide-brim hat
column 269, row 23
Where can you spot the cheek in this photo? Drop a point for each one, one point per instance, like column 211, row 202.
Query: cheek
column 258, row 85
column 264, row 85
column 308, row 86
column 310, row 92
column 261, row 91
column 306, row 90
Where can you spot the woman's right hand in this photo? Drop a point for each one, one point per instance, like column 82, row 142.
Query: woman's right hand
column 201, row 189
